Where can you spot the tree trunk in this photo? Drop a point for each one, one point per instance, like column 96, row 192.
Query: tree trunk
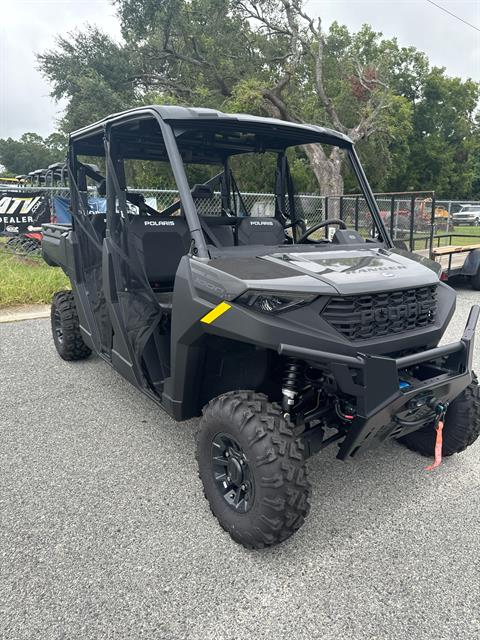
column 327, row 169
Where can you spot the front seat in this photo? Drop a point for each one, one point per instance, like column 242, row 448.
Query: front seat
column 160, row 244
column 263, row 231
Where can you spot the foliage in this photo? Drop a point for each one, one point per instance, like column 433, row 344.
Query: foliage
column 415, row 127
column 92, row 72
column 445, row 135
column 31, row 152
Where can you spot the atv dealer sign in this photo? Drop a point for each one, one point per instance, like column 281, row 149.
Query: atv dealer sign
column 23, row 213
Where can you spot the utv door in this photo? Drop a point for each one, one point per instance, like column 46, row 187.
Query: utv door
column 89, row 232
column 141, row 253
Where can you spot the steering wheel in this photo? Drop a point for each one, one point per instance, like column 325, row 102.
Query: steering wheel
column 320, row 225
column 297, row 223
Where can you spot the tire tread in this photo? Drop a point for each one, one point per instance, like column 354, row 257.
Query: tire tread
column 73, row 347
column 283, row 483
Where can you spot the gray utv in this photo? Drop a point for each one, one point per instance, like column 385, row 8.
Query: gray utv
column 285, row 337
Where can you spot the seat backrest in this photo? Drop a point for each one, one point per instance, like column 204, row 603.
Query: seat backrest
column 221, row 229
column 160, row 243
column 266, row 231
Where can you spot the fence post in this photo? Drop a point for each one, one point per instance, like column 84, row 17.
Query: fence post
column 357, row 207
column 341, row 207
column 432, row 225
column 392, row 216
column 412, row 222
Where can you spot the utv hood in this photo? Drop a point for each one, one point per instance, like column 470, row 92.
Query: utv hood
column 357, row 271
column 326, row 272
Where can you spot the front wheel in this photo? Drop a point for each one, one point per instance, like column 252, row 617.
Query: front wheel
column 65, row 328
column 252, row 468
column 462, row 426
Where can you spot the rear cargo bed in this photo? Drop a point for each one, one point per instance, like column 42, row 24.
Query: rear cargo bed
column 55, row 243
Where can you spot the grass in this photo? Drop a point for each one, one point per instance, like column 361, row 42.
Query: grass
column 28, row 280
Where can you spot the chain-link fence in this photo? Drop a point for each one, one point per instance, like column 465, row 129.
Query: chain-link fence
column 413, row 217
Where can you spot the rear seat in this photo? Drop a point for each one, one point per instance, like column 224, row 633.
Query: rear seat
column 222, row 229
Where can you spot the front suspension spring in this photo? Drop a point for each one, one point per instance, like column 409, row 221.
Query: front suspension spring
column 292, row 381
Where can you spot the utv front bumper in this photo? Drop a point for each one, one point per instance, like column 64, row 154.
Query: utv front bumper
column 395, row 396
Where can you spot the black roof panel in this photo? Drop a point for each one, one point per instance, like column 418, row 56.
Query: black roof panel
column 203, row 135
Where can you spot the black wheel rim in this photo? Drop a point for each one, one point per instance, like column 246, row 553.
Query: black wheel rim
column 57, row 326
column 232, row 473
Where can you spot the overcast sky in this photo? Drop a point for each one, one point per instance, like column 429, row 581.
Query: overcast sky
column 30, row 26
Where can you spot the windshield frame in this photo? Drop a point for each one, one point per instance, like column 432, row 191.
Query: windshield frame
column 191, row 212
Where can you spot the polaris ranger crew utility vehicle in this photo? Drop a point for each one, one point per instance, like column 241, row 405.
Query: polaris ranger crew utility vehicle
column 284, row 337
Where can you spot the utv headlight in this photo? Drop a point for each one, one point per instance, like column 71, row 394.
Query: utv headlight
column 273, row 301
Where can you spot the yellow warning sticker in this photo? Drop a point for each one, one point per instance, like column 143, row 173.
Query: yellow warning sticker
column 216, row 313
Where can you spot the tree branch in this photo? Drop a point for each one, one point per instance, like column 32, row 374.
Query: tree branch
column 326, row 101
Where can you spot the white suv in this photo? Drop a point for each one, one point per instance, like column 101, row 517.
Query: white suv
column 469, row 214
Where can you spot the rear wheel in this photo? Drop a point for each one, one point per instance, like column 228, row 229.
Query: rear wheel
column 253, row 469
column 462, row 426
column 65, row 328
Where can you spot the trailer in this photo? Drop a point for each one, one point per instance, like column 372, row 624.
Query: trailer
column 456, row 259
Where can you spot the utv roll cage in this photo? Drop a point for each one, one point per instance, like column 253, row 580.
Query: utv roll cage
column 189, row 135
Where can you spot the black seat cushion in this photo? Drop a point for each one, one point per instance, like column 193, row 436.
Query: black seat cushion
column 221, row 228
column 160, row 243
column 266, row 231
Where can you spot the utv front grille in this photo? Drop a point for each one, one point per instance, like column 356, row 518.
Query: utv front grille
column 380, row 314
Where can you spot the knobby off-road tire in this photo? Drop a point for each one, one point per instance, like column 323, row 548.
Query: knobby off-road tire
column 462, row 426
column 65, row 328
column 275, row 462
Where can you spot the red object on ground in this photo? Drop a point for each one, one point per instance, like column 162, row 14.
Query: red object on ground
column 34, row 235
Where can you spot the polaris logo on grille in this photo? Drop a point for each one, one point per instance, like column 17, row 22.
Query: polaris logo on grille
column 259, row 223
column 382, row 314
column 398, row 312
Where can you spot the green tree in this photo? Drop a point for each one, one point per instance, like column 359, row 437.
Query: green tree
column 31, row 152
column 444, row 140
column 413, row 126
column 93, row 73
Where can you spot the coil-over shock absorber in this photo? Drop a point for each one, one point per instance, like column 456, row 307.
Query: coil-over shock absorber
column 292, row 381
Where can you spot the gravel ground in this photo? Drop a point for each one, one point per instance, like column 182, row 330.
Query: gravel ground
column 104, row 532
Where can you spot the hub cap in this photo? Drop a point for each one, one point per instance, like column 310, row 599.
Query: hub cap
column 231, row 473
